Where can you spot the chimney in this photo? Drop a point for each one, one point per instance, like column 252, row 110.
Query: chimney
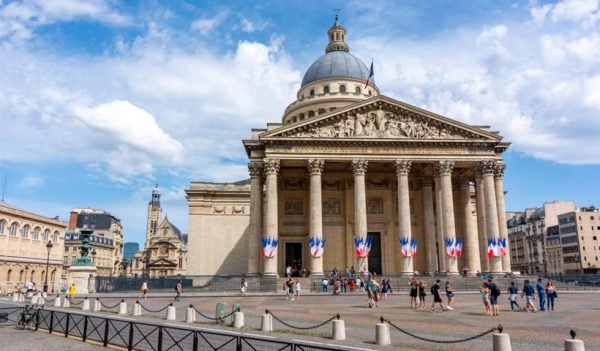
column 72, row 221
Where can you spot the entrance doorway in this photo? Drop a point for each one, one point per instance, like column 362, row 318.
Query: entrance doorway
column 375, row 256
column 293, row 257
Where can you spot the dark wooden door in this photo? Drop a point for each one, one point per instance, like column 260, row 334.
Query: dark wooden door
column 375, row 256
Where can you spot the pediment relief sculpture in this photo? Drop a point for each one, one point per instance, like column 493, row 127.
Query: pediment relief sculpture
column 384, row 124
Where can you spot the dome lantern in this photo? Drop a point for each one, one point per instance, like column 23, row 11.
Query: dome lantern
column 336, row 35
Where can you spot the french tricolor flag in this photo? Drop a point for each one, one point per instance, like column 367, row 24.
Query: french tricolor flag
column 371, row 75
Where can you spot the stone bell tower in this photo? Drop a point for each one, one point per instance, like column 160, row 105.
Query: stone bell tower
column 154, row 215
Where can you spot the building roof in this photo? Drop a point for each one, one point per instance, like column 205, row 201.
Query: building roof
column 336, row 64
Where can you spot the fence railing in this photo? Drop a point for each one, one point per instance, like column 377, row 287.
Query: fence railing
column 189, row 283
column 9, row 315
column 133, row 335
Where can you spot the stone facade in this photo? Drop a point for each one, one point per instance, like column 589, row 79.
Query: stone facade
column 580, row 248
column 23, row 253
column 369, row 168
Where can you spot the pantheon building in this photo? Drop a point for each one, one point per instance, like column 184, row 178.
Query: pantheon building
column 353, row 178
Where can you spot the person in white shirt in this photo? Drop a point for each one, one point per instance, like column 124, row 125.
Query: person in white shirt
column 298, row 288
column 325, row 285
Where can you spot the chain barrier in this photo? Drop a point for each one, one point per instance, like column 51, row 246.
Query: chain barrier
column 26, row 297
column 217, row 318
column 302, row 327
column 76, row 303
column 109, row 307
column 153, row 311
column 47, row 299
column 456, row 341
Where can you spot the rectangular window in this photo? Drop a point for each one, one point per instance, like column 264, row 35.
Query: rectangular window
column 73, row 259
column 66, row 259
column 595, row 237
column 592, row 218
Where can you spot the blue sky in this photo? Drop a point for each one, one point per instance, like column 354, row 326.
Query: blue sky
column 101, row 99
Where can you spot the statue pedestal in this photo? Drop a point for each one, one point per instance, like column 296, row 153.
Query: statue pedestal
column 83, row 278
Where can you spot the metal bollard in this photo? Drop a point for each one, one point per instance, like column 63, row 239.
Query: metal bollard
column 220, row 312
column 238, row 321
column 266, row 324
column 85, row 306
column 338, row 329
column 574, row 344
column 171, row 313
column 41, row 301
column 123, row 307
column 501, row 341
column 57, row 301
column 97, row 305
column 137, row 309
column 382, row 333
column 190, row 316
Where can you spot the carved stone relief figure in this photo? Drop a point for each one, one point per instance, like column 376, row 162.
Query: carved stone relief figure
column 332, row 207
column 293, row 207
column 375, row 205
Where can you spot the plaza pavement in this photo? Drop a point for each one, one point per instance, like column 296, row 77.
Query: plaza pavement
column 528, row 331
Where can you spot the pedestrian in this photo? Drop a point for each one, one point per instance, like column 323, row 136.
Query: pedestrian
column 437, row 296
column 72, row 290
column 541, row 290
column 550, row 294
column 325, row 285
column 373, row 292
column 243, row 285
column 344, row 285
column 298, row 289
column 414, row 290
column 485, row 296
column 384, row 289
column 528, row 292
column 513, row 293
column 178, row 290
column 422, row 294
column 352, row 284
column 352, row 271
column 289, row 285
column 449, row 295
column 359, row 285
column 494, row 294
column 144, row 289
column 288, row 271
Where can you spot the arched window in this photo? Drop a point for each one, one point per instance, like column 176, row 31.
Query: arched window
column 55, row 237
column 337, row 36
column 13, row 229
column 21, row 275
column 25, row 231
column 2, row 225
column 311, row 114
column 8, row 275
column 42, row 276
column 357, row 90
column 326, row 89
column 370, row 93
column 32, row 274
column 46, row 235
column 331, row 36
column 312, row 92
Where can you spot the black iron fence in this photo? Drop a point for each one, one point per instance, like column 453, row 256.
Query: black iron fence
column 133, row 335
column 9, row 315
column 189, row 283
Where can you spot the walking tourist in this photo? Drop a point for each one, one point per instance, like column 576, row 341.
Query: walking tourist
column 541, row 290
column 243, row 285
column 288, row 271
column 494, row 294
column 298, row 289
column 178, row 290
column 344, row 285
column 449, row 295
column 373, row 292
column 437, row 296
column 550, row 294
column 289, row 287
column 485, row 295
column 414, row 291
column 359, row 285
column 528, row 292
column 325, row 285
column 422, row 293
column 72, row 290
column 513, row 294
column 144, row 289
column 352, row 284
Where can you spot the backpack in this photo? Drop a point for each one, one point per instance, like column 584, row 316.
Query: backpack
column 495, row 290
column 432, row 290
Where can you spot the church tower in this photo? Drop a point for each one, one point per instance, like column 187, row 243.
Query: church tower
column 154, row 215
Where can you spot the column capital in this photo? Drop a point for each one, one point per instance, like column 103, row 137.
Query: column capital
column 403, row 167
column 499, row 170
column 486, row 167
column 255, row 169
column 315, row 166
column 359, row 166
column 271, row 166
column 444, row 167
column 425, row 182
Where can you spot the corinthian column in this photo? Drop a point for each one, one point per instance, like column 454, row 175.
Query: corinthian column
column 487, row 169
column 271, row 169
column 470, row 230
column 439, row 228
column 445, row 170
column 255, row 225
column 359, row 168
column 426, row 184
column 404, row 230
column 503, row 229
column 481, row 220
column 315, row 169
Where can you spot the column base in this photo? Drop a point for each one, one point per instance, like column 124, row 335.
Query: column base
column 317, row 274
column 271, row 274
column 452, row 274
column 406, row 274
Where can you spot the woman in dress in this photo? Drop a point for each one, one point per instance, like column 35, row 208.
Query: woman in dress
column 385, row 289
column 449, row 295
column 485, row 295
column 422, row 293
column 298, row 288
column 414, row 289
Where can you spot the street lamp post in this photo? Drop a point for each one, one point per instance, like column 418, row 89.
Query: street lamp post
column 94, row 256
column 49, row 248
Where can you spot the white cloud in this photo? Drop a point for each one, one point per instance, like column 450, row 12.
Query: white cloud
column 207, row 24
column 30, row 182
column 252, row 26
column 574, row 10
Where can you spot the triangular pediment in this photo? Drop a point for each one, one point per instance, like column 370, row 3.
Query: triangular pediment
column 161, row 262
column 381, row 118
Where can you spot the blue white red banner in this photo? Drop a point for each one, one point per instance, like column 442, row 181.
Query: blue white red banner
column 496, row 247
column 269, row 246
column 408, row 247
column 453, row 247
column 363, row 246
column 316, row 246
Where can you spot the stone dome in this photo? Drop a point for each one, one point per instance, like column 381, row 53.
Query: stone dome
column 336, row 64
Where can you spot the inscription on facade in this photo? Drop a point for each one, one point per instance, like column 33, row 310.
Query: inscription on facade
column 293, row 207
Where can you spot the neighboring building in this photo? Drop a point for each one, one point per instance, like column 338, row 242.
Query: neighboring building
column 23, row 253
column 129, row 250
column 346, row 162
column 107, row 239
column 579, row 232
column 527, row 233
column 165, row 252
column 554, row 261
